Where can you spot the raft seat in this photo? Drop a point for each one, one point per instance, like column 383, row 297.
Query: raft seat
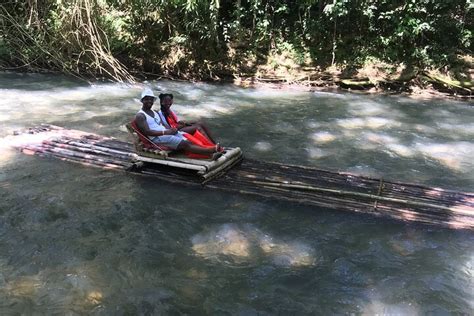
column 144, row 146
column 206, row 169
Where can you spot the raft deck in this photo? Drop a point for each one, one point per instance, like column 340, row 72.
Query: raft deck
column 298, row 184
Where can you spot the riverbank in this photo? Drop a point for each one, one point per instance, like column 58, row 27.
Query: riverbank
column 375, row 77
column 372, row 78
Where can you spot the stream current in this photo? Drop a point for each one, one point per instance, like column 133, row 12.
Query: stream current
column 78, row 240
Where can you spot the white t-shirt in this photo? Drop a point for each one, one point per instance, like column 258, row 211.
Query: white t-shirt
column 154, row 123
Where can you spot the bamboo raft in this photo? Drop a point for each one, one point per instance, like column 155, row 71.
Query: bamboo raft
column 305, row 185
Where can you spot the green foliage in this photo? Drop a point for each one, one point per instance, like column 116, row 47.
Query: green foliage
column 4, row 50
column 203, row 37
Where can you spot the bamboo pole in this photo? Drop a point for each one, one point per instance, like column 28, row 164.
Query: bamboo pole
column 310, row 170
column 64, row 157
column 387, row 211
column 69, row 153
column 363, row 195
column 92, row 149
column 105, row 149
column 453, row 203
column 229, row 155
column 172, row 163
column 306, row 185
column 219, row 170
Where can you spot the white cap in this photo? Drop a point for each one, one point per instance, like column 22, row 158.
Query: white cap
column 147, row 93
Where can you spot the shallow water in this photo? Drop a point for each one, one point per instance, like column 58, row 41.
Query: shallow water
column 88, row 241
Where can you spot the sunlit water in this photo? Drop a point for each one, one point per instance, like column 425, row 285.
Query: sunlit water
column 75, row 240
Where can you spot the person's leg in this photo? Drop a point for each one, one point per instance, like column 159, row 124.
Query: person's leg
column 177, row 142
column 201, row 127
column 185, row 145
column 188, row 129
column 170, row 141
column 205, row 130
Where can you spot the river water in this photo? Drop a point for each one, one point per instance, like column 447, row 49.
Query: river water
column 78, row 240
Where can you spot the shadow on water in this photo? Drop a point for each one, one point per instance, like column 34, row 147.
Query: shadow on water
column 88, row 241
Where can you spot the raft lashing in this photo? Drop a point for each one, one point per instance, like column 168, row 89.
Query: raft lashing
column 298, row 184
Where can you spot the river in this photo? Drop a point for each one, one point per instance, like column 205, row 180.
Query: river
column 78, row 240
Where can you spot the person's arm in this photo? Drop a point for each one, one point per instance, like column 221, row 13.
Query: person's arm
column 143, row 126
column 181, row 123
column 184, row 123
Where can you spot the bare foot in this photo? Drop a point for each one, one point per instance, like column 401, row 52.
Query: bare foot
column 219, row 148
